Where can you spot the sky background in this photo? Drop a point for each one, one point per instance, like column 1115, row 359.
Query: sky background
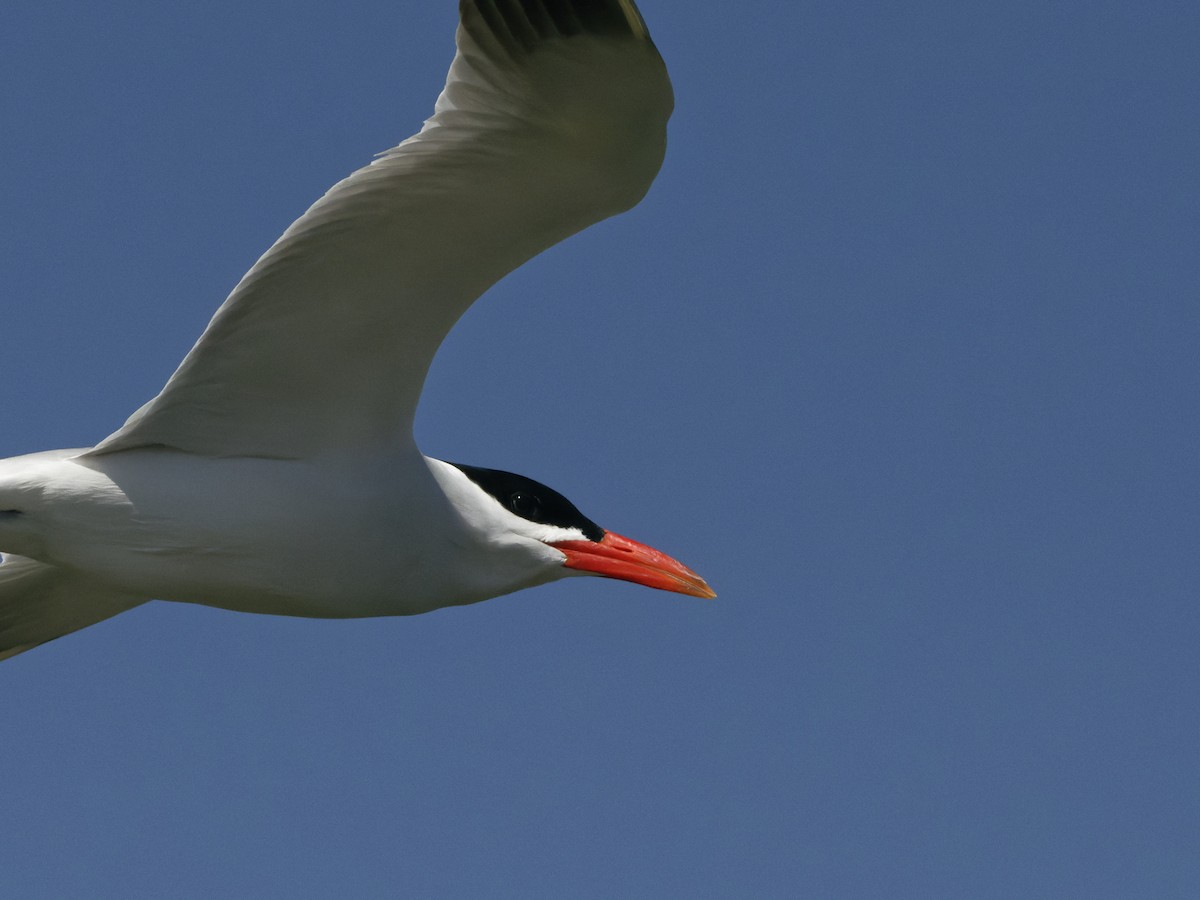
column 901, row 353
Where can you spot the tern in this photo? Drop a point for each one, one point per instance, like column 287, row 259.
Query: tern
column 276, row 471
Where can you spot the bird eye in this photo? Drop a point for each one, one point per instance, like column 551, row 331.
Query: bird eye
column 527, row 506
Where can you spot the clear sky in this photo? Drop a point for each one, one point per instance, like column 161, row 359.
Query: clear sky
column 901, row 352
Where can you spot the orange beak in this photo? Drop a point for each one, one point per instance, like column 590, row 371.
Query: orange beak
column 619, row 557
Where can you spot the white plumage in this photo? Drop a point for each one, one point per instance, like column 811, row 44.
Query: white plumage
column 276, row 470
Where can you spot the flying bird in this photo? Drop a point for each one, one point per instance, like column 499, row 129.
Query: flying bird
column 276, row 471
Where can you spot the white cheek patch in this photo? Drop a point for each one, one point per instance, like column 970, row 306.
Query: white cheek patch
column 538, row 531
column 552, row 534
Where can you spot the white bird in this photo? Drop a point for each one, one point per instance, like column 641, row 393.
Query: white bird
column 276, row 471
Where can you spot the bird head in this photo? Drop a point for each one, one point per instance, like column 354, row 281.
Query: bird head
column 520, row 514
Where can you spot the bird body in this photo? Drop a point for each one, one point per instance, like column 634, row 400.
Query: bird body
column 359, row 538
column 276, row 471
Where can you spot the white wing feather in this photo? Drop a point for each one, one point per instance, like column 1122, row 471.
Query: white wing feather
column 544, row 127
column 40, row 602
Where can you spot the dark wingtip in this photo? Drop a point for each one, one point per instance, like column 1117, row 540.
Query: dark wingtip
column 520, row 26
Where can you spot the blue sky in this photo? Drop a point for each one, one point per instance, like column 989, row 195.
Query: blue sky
column 900, row 353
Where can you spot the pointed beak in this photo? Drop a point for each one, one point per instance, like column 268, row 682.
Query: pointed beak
column 619, row 557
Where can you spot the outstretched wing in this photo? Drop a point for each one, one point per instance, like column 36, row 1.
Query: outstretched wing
column 553, row 117
column 40, row 602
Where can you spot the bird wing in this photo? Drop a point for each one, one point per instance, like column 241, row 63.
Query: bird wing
column 553, row 117
column 40, row 602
